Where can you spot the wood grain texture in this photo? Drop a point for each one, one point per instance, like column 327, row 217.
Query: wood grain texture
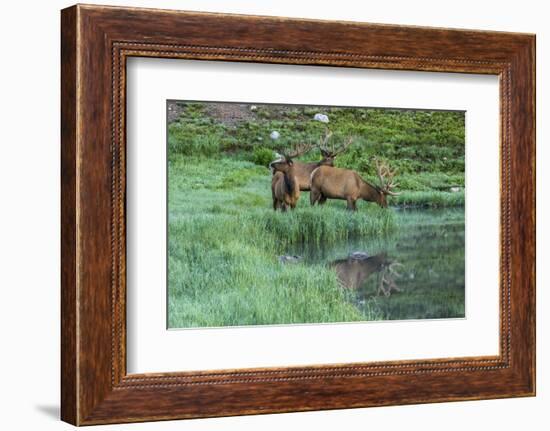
column 69, row 397
column 96, row 41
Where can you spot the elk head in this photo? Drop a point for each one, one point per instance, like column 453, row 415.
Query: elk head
column 385, row 175
column 330, row 153
column 284, row 162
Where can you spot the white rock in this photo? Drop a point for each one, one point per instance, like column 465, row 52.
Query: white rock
column 253, row 107
column 360, row 255
column 275, row 135
column 321, row 117
column 455, row 189
column 290, row 259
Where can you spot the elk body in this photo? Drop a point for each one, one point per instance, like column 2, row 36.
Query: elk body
column 334, row 183
column 285, row 186
column 304, row 170
column 285, row 189
column 353, row 273
column 289, row 177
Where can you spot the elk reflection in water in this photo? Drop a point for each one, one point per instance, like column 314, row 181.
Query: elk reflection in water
column 354, row 271
column 417, row 273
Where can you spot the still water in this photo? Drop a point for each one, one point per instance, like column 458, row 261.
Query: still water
column 418, row 273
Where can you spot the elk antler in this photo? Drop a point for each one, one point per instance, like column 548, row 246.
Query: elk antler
column 392, row 269
column 387, row 282
column 323, row 140
column 343, row 147
column 385, row 175
column 333, row 151
column 298, row 150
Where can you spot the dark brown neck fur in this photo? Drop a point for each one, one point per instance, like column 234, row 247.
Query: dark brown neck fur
column 290, row 181
column 369, row 192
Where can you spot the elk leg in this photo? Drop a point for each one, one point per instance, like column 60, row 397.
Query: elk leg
column 313, row 196
column 275, row 204
column 322, row 200
column 351, row 204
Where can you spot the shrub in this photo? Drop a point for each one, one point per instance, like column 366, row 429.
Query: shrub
column 263, row 156
column 180, row 142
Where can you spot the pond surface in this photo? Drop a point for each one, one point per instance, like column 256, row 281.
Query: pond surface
column 418, row 273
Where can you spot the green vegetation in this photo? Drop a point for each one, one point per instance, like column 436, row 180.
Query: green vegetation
column 225, row 241
column 427, row 147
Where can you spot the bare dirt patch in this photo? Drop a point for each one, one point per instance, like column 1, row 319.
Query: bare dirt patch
column 175, row 109
column 230, row 114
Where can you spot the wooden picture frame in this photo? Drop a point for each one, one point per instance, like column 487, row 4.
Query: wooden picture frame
column 95, row 43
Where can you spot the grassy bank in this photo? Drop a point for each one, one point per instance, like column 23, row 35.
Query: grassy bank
column 225, row 242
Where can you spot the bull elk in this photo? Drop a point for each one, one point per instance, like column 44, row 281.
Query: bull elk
column 303, row 170
column 285, row 189
column 334, row 183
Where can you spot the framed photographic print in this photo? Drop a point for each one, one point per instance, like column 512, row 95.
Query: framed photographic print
column 264, row 215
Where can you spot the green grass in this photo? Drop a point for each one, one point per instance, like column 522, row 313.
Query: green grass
column 231, row 282
column 433, row 199
column 224, row 248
